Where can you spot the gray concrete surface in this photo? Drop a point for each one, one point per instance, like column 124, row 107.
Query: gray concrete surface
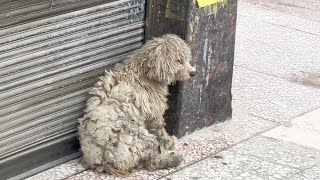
column 277, row 42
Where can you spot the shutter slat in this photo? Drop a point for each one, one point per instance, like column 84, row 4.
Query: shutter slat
column 40, row 93
column 90, row 54
column 58, row 38
column 46, row 96
column 24, row 126
column 66, row 74
column 51, row 53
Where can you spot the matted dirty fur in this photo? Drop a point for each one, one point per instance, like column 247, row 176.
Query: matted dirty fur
column 123, row 128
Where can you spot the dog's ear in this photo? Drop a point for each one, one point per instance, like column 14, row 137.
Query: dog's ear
column 161, row 61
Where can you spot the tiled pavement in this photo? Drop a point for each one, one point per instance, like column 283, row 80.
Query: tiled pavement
column 275, row 129
column 258, row 158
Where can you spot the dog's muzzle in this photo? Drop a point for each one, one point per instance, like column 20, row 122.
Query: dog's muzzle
column 192, row 73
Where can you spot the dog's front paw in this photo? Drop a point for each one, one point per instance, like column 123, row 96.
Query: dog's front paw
column 176, row 160
column 169, row 142
column 164, row 160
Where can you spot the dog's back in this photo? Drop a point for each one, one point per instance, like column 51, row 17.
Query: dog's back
column 112, row 133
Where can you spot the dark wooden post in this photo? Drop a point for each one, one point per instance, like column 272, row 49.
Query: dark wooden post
column 210, row 31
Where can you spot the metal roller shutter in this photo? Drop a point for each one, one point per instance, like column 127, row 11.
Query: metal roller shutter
column 51, row 52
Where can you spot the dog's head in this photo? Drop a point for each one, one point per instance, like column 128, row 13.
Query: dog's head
column 167, row 59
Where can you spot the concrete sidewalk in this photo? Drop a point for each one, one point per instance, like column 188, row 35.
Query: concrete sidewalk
column 275, row 129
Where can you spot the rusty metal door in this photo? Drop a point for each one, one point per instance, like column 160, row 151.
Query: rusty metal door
column 51, row 52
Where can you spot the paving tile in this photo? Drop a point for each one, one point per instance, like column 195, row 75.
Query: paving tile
column 308, row 174
column 305, row 130
column 309, row 120
column 242, row 126
column 270, row 97
column 297, row 135
column 228, row 165
column 280, row 152
column 59, row 172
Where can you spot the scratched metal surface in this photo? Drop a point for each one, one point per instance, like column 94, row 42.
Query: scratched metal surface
column 51, row 52
column 211, row 33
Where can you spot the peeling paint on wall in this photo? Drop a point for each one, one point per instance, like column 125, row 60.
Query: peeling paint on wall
column 203, row 3
column 210, row 7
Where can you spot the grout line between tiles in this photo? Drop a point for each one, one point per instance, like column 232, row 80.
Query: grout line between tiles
column 73, row 174
column 275, row 76
column 300, row 172
column 292, row 28
column 269, row 120
column 304, row 113
column 254, row 156
column 289, row 142
column 272, row 75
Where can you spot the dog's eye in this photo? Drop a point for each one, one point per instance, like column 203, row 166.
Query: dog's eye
column 180, row 61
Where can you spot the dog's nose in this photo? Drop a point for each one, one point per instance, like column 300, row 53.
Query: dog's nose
column 193, row 73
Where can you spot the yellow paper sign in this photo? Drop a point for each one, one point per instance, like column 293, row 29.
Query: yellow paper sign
column 203, row 3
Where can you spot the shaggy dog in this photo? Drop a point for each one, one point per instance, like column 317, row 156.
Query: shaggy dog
column 123, row 128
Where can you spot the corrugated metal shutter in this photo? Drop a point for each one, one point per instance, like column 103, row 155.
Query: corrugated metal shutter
column 51, row 52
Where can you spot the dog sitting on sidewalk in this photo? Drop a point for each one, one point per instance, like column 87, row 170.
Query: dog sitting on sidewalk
column 123, row 128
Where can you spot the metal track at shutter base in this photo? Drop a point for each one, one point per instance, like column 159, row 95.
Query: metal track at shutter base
column 51, row 53
column 43, row 156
